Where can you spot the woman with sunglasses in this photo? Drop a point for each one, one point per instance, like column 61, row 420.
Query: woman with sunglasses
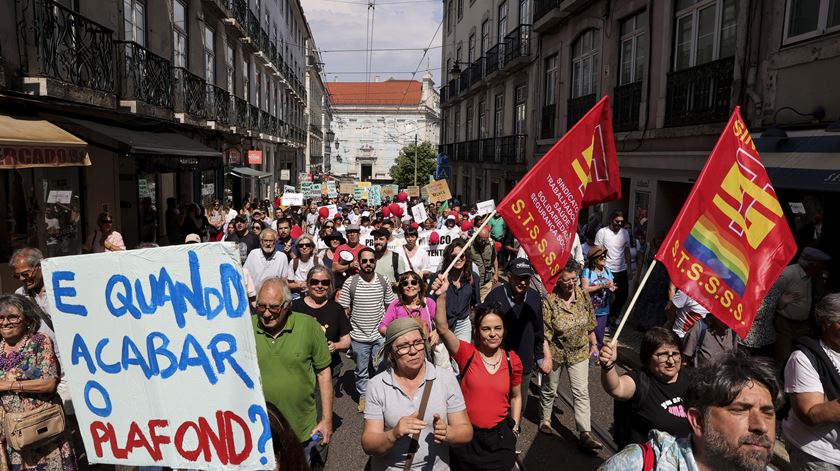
column 319, row 304
column 597, row 280
column 327, row 228
column 640, row 394
column 257, row 227
column 105, row 238
column 299, row 266
column 490, row 380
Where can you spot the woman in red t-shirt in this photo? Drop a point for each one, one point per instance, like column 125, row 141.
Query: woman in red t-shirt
column 490, row 379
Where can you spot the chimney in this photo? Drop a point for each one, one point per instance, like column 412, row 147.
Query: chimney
column 375, row 79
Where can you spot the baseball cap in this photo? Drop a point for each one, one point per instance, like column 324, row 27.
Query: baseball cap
column 353, row 228
column 520, row 267
column 192, row 239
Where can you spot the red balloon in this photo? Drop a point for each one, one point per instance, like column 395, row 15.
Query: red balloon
column 324, row 212
column 402, row 196
column 434, row 238
column 465, row 226
column 386, row 211
column 414, row 225
column 296, row 231
column 395, row 208
column 498, row 246
column 399, row 212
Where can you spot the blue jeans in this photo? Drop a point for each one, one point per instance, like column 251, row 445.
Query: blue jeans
column 365, row 352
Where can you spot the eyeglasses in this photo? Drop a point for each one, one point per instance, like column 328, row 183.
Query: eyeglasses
column 368, row 261
column 417, row 346
column 14, row 319
column 272, row 308
column 315, row 282
column 665, row 356
column 26, row 275
column 411, row 282
column 305, row 246
column 571, row 281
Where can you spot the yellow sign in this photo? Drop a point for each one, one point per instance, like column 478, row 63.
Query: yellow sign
column 438, row 191
column 346, row 188
column 363, row 184
column 413, row 191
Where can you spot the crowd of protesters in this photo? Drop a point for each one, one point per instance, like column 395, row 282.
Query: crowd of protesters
column 444, row 358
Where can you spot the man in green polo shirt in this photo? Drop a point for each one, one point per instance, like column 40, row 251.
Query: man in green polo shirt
column 292, row 352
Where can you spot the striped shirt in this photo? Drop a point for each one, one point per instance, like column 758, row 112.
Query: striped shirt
column 369, row 303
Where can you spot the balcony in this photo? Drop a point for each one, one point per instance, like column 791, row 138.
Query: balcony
column 474, row 150
column 700, row 94
column 461, row 151
column 144, row 76
column 476, row 71
column 240, row 114
column 218, row 104
column 443, row 97
column 464, row 82
column 577, row 107
column 239, row 10
column 254, row 119
column 266, row 124
column 452, row 88
column 628, row 99
column 517, row 47
column 549, row 13
column 69, row 51
column 491, row 65
column 253, row 29
column 488, row 150
column 189, row 93
column 547, row 121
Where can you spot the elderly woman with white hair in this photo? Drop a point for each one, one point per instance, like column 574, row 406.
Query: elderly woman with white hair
column 299, row 266
column 399, row 434
column 812, row 380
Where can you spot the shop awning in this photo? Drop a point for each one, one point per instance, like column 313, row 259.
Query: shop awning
column 32, row 142
column 149, row 142
column 807, row 160
column 248, row 172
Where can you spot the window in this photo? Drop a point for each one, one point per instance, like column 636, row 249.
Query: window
column 633, row 48
column 471, row 48
column 550, row 81
column 482, row 119
column 134, row 21
column 705, row 32
column 524, row 12
column 499, row 115
column 258, row 88
column 469, row 127
column 246, row 76
column 519, row 113
column 502, row 31
column 460, row 9
column 585, row 63
column 209, row 56
column 458, row 54
column 456, row 127
column 230, row 63
column 179, row 32
column 809, row 18
column 485, row 37
column 449, row 13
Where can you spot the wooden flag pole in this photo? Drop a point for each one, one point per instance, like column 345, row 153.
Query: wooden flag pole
column 469, row 243
column 614, row 339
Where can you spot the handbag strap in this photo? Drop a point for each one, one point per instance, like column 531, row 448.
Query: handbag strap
column 421, row 412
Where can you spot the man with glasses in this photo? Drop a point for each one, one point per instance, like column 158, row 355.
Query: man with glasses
column 292, row 356
column 267, row 262
column 349, row 266
column 365, row 297
column 105, row 238
column 616, row 240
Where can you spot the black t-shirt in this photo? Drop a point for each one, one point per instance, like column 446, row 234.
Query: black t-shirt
column 523, row 324
column 332, row 318
column 660, row 408
column 251, row 240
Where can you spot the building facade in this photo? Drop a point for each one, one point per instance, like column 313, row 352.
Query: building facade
column 319, row 115
column 527, row 70
column 171, row 97
column 372, row 121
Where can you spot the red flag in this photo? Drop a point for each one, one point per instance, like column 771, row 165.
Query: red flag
column 581, row 169
column 731, row 240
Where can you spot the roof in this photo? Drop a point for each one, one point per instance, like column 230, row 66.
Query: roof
column 389, row 92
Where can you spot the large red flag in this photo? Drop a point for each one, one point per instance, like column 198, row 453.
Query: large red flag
column 731, row 240
column 581, row 169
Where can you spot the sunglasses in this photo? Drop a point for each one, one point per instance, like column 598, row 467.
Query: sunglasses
column 272, row 308
column 411, row 282
column 27, row 275
column 305, row 246
column 314, row 282
column 367, row 261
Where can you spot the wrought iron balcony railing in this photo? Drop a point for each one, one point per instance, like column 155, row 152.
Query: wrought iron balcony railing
column 488, row 149
column 577, row 107
column 628, row 99
column 491, row 64
column 264, row 45
column 518, row 43
column 700, row 94
column 240, row 113
column 461, row 151
column 72, row 48
column 144, row 75
column 266, row 126
column 218, row 104
column 517, row 156
column 474, row 150
column 476, row 71
column 453, row 89
column 542, row 7
column 239, row 9
column 253, row 28
column 253, row 118
column 189, row 92
column 443, row 97
column 464, row 81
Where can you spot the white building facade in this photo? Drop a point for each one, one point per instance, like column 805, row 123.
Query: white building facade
column 372, row 121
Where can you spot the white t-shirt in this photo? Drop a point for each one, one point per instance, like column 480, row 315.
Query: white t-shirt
column 419, row 261
column 820, row 441
column 689, row 312
column 302, row 269
column 262, row 269
column 615, row 243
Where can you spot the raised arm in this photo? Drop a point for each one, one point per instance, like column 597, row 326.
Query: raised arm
column 620, row 387
column 440, row 287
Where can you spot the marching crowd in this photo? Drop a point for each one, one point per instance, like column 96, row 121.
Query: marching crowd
column 446, row 346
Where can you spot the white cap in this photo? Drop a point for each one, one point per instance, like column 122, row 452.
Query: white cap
column 365, row 214
column 450, row 217
column 346, row 256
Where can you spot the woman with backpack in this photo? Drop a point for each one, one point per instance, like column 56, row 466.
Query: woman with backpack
column 299, row 266
column 490, row 381
column 597, row 280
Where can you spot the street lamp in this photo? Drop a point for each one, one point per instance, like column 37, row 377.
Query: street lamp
column 455, row 71
column 330, row 135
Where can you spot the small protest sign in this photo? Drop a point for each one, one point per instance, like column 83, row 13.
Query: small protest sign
column 390, row 191
column 314, row 191
column 375, row 195
column 288, row 189
column 419, row 213
column 161, row 357
column 292, row 199
column 485, row 207
column 413, row 191
column 346, row 188
column 438, row 191
column 306, row 188
column 331, row 191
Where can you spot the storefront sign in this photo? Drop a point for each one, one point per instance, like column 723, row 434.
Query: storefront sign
column 233, row 156
column 37, row 156
column 172, row 326
column 285, row 174
column 254, row 157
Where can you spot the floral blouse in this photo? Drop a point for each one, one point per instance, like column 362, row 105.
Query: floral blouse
column 567, row 328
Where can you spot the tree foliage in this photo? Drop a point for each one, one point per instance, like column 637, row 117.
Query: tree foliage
column 403, row 170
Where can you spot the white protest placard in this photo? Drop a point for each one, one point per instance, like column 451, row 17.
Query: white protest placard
column 435, row 251
column 64, row 196
column 485, row 207
column 333, row 209
column 292, row 199
column 160, row 354
column 419, row 213
column 289, row 189
column 331, row 191
column 795, row 207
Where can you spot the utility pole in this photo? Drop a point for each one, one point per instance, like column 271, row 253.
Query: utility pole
column 415, row 160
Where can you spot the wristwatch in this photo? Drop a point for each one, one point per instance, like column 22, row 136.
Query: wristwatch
column 516, row 430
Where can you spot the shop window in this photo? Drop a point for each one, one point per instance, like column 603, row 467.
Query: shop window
column 809, row 18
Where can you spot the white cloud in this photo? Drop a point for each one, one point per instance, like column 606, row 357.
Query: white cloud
column 341, row 24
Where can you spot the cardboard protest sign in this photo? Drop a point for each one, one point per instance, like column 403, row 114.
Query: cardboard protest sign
column 438, row 191
column 364, row 184
column 346, row 188
column 159, row 350
column 419, row 213
column 292, row 199
column 288, row 189
column 413, row 191
column 314, row 191
column 485, row 207
column 306, row 188
column 375, row 195
column 390, row 191
column 361, row 192
column 331, row 191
